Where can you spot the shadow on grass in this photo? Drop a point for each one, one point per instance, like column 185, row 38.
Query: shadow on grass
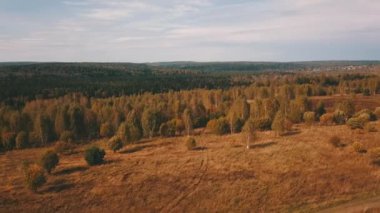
column 110, row 161
column 263, row 145
column 292, row 132
column 58, row 186
column 71, row 170
column 135, row 149
column 200, row 148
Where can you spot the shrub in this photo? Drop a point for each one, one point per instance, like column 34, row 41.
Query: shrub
column 327, row 119
column 339, row 117
column 65, row 148
column 34, row 176
column 335, row 141
column 190, row 143
column 94, row 156
column 355, row 123
column 358, row 147
column 370, row 127
column 377, row 113
column 21, row 140
column 218, row 126
column 375, row 155
column 365, row 114
column 49, row 160
column 67, row 136
column 309, row 117
column 115, row 143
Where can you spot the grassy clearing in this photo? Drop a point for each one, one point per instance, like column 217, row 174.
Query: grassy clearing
column 298, row 172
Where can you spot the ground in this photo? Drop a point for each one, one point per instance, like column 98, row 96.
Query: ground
column 298, row 172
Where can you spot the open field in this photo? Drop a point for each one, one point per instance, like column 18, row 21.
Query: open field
column 299, row 172
column 360, row 101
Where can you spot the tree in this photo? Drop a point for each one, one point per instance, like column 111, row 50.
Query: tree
column 278, row 124
column 106, row 130
column 62, row 121
column 22, row 140
column 320, row 109
column 76, row 115
column 218, row 126
column 133, row 128
column 187, row 120
column 91, row 124
column 249, row 132
column 43, row 129
column 347, row 107
column 115, row 143
column 309, row 117
column 150, row 122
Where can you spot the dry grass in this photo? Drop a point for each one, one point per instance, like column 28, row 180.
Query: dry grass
column 298, row 172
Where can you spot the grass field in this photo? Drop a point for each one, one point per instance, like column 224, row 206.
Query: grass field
column 298, row 172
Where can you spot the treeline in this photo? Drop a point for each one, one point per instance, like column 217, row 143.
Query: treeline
column 275, row 102
column 24, row 82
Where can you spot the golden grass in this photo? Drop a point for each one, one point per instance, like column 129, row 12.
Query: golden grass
column 299, row 172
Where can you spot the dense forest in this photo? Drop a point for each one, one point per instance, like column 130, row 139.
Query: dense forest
column 82, row 103
column 21, row 82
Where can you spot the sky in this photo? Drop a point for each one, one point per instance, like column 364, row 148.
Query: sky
column 189, row 30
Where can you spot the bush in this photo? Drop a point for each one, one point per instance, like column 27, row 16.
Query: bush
column 49, row 160
column 218, row 126
column 355, row 123
column 115, row 143
column 94, row 156
column 335, row 141
column 309, row 117
column 358, row 147
column 375, row 155
column 190, row 143
column 339, row 117
column 34, row 176
column 327, row 119
column 370, row 127
column 21, row 140
column 365, row 114
column 65, row 148
column 377, row 113
column 67, row 136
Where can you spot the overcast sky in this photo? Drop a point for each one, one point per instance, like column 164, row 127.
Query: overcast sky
column 198, row 30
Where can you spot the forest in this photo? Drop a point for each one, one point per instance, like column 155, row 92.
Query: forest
column 81, row 102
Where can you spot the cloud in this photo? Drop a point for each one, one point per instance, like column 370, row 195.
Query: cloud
column 147, row 30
